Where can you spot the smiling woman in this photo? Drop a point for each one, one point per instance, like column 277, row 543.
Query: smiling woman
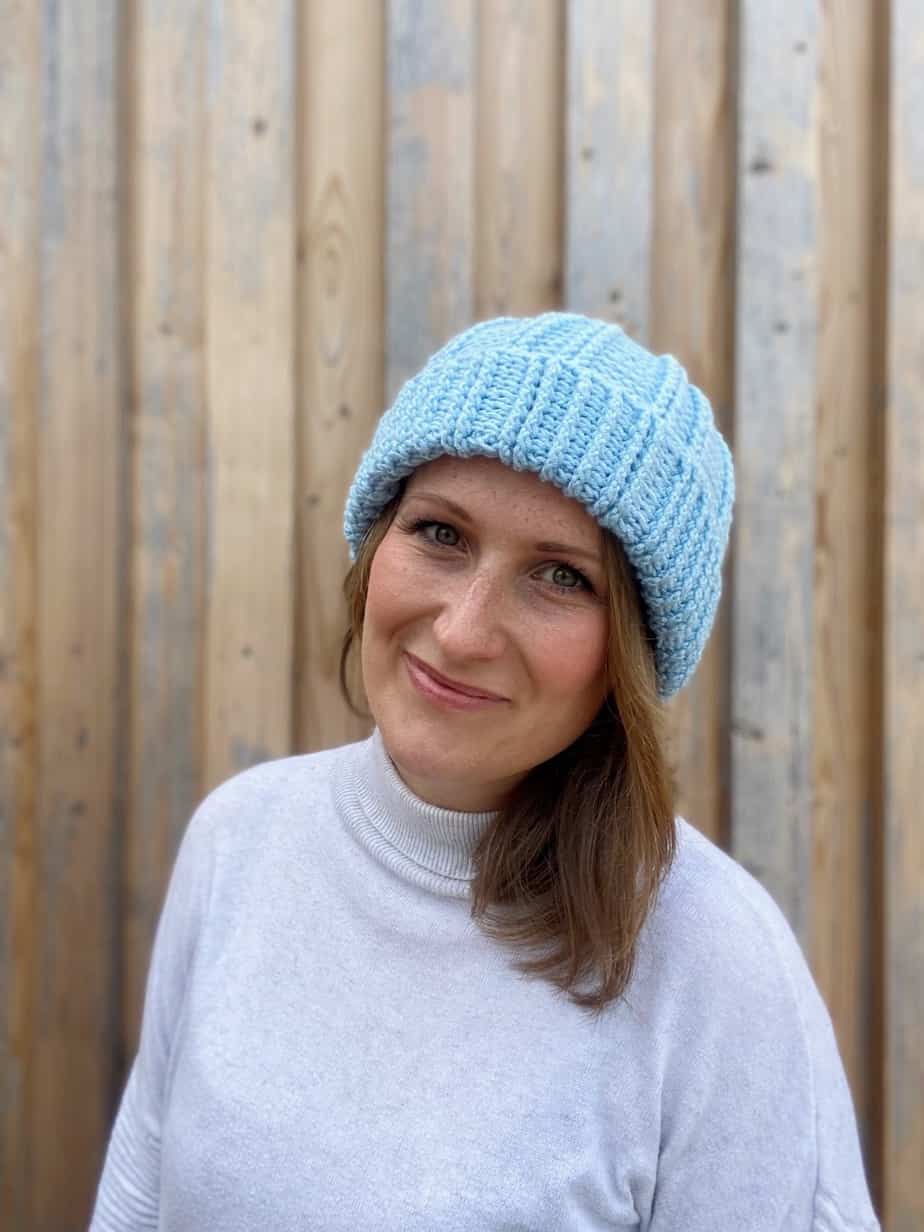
column 485, row 611
column 479, row 603
column 473, row 972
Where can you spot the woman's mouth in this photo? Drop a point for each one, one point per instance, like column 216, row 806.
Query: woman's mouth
column 441, row 694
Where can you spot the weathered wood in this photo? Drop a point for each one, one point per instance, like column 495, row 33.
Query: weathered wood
column 610, row 106
column 903, row 717
column 431, row 186
column 195, row 255
column 168, row 378
column 845, row 565
column 82, row 521
column 250, row 242
column 775, row 384
column 341, row 331
column 20, row 155
column 518, row 219
column 692, row 317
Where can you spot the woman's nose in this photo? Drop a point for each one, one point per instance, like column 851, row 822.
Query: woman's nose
column 470, row 619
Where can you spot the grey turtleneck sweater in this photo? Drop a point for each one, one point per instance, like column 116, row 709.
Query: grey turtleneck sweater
column 329, row 1042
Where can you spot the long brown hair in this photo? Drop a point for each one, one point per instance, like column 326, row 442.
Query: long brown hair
column 571, row 865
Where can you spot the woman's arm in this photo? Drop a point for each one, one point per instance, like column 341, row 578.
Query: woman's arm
column 759, row 1129
column 127, row 1198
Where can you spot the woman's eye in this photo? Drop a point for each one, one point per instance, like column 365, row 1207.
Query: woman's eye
column 566, row 578
column 443, row 533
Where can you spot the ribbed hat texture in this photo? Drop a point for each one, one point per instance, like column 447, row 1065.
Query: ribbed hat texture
column 615, row 427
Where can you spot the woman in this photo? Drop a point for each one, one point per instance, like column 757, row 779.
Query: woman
column 472, row 972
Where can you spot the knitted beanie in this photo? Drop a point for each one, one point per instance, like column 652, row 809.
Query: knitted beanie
column 615, row 427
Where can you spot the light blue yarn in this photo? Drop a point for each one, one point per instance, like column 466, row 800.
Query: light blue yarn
column 617, row 428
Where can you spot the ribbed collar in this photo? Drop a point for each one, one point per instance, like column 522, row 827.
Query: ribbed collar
column 429, row 846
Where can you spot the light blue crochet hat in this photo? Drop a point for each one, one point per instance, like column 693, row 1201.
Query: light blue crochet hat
column 615, row 427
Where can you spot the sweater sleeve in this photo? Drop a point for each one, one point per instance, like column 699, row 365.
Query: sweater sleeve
column 841, row 1200
column 128, row 1193
column 758, row 1125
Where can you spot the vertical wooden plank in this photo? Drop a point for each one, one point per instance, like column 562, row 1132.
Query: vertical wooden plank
column 431, row 192
column 250, row 241
column 874, row 937
column 844, row 581
column 341, row 329
column 692, row 317
column 519, row 156
column 903, row 734
column 776, row 329
column 168, row 382
column 609, row 161
column 20, row 152
column 81, row 520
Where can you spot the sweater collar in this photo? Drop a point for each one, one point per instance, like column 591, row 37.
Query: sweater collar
column 423, row 843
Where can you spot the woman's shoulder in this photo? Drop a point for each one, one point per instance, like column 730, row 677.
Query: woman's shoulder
column 717, row 939
column 293, row 770
column 719, row 957
column 742, row 1028
column 250, row 802
column 710, row 897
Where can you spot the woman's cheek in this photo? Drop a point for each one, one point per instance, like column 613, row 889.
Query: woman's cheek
column 573, row 657
column 391, row 582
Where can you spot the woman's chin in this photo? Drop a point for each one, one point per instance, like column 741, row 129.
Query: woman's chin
column 420, row 751
column 436, row 770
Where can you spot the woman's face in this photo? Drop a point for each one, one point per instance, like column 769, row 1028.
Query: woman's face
column 494, row 579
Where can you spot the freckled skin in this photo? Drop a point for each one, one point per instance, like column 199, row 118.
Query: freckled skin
column 484, row 611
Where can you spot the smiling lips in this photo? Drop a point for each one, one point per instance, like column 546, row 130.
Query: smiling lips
column 433, row 683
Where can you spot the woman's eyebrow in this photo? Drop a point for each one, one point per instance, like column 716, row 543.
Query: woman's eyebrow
column 570, row 549
column 419, row 494
column 547, row 545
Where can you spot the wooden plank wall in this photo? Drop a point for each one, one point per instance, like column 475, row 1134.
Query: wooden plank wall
column 902, row 646
column 230, row 232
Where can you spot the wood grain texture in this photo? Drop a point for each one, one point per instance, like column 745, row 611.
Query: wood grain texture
column 222, row 224
column 844, row 650
column 81, row 469
column 250, row 293
column 903, row 732
column 775, row 391
column 167, row 361
column 20, row 155
column 431, row 180
column 341, row 331
column 518, row 218
column 692, row 317
column 610, row 125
